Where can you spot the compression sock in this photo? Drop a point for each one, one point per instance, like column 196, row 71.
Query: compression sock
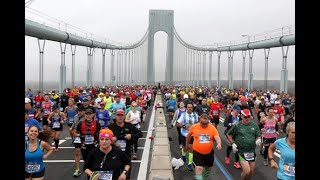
column 190, row 157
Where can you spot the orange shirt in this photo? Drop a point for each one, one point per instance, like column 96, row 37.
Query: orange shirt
column 203, row 137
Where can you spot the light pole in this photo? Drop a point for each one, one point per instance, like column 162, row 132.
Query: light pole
column 245, row 35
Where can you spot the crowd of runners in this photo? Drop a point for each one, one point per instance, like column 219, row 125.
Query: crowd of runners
column 104, row 124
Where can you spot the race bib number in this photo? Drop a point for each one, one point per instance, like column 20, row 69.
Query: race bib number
column 122, row 144
column 77, row 140
column 88, row 139
column 277, row 116
column 289, row 169
column 31, row 168
column 37, row 103
column 61, row 109
column 105, row 175
column 101, row 122
column 249, row 156
column 100, row 116
column 56, row 124
column 215, row 113
column 204, row 138
column 171, row 107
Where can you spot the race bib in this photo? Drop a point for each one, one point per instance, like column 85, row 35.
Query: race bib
column 88, row 139
column 249, row 156
column 171, row 107
column 77, row 140
column 289, row 169
column 37, row 103
column 215, row 113
column 70, row 120
column 204, row 138
column 101, row 122
column 122, row 144
column 268, row 130
column 32, row 168
column 100, row 116
column 56, row 124
column 26, row 128
column 61, row 109
column 46, row 111
column 105, row 175
column 277, row 116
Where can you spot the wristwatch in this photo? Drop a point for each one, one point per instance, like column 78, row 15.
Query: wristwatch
column 124, row 172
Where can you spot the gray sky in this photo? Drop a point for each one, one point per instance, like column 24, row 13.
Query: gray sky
column 196, row 21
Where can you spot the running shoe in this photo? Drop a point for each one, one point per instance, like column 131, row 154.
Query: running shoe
column 134, row 156
column 227, row 160
column 56, row 150
column 265, row 162
column 180, row 146
column 237, row 165
column 77, row 173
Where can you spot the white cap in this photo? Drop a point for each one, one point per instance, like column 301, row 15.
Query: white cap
column 185, row 96
column 27, row 100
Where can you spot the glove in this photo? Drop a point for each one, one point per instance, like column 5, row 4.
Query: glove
column 94, row 176
column 234, row 148
column 258, row 142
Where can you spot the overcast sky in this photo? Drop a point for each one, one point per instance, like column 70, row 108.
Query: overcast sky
column 196, row 21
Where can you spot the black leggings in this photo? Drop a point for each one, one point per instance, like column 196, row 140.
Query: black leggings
column 229, row 148
column 135, row 145
column 265, row 154
column 85, row 152
column 179, row 135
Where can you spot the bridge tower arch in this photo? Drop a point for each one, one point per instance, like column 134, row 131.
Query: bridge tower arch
column 160, row 20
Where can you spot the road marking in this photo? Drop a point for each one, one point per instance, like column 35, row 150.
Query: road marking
column 60, row 142
column 145, row 154
column 68, row 138
column 221, row 167
column 142, row 138
column 68, row 161
column 275, row 153
column 144, row 131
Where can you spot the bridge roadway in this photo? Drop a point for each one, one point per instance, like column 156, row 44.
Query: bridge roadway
column 261, row 172
column 60, row 165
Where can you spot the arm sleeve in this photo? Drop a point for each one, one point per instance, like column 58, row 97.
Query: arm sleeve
column 175, row 116
column 125, row 159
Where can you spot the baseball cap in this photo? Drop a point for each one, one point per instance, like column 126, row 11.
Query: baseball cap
column 243, row 98
column 246, row 112
column 101, row 94
column 120, row 112
column 276, row 102
column 236, row 108
column 85, row 99
column 88, row 111
column 103, row 103
column 27, row 100
column 185, row 96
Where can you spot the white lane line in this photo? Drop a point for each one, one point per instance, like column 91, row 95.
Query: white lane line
column 65, row 161
column 144, row 131
column 60, row 142
column 146, row 151
column 275, row 153
column 68, row 138
column 142, row 138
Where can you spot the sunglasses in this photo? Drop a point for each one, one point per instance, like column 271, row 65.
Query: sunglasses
column 134, row 106
column 246, row 117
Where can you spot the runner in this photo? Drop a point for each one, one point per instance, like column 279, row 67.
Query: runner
column 171, row 103
column 230, row 121
column 244, row 136
column 55, row 120
column 203, row 134
column 28, row 122
column 34, row 153
column 70, row 111
column 102, row 116
column 107, row 161
column 287, row 146
column 185, row 121
column 115, row 106
column 176, row 116
column 215, row 108
column 124, row 132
